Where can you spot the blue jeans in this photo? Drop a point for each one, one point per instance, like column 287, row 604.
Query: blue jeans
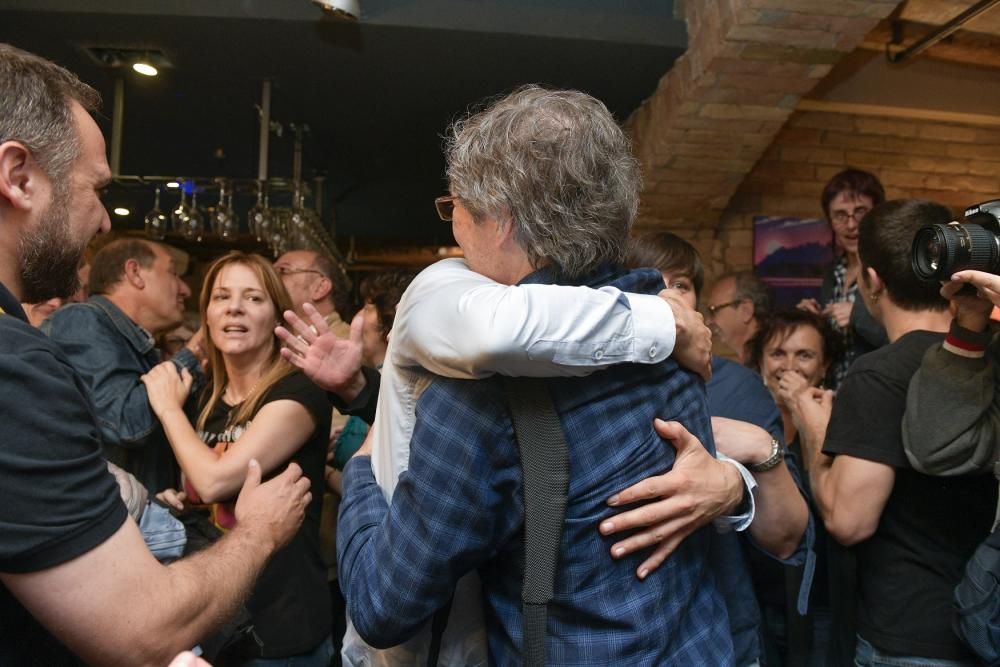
column 869, row 656
column 318, row 657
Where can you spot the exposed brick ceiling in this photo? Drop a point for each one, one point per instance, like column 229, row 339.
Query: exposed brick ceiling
column 749, row 63
column 713, row 115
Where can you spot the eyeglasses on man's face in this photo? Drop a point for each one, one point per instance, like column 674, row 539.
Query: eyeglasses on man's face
column 446, row 206
column 292, row 270
column 712, row 310
column 841, row 217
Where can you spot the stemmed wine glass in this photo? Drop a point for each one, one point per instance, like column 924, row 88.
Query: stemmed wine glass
column 259, row 218
column 179, row 216
column 229, row 229
column 297, row 217
column 156, row 221
column 194, row 226
column 278, row 238
column 225, row 224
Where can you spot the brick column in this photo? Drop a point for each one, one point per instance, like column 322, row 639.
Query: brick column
column 714, row 114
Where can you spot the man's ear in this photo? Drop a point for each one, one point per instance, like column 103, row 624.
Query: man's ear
column 132, row 274
column 321, row 288
column 873, row 283
column 22, row 181
column 746, row 310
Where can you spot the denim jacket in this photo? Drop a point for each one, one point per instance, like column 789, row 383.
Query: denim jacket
column 111, row 352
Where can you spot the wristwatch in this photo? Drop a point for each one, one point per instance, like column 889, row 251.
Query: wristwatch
column 777, row 453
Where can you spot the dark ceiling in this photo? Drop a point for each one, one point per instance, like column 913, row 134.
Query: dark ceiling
column 377, row 95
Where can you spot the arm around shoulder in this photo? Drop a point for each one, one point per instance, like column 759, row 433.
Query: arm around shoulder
column 457, row 323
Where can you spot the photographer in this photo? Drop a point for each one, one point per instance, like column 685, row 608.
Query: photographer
column 952, row 414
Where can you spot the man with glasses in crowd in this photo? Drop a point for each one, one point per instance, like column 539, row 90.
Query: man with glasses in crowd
column 736, row 304
column 314, row 278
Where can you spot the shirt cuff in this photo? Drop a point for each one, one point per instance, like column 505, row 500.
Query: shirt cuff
column 653, row 327
column 965, row 343
column 365, row 402
column 738, row 522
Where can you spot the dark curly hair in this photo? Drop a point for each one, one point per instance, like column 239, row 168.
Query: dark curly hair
column 781, row 324
column 384, row 290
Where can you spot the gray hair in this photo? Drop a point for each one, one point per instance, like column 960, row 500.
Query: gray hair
column 555, row 165
column 340, row 293
column 747, row 286
column 35, row 110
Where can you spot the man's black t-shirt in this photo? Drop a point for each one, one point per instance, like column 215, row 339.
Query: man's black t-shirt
column 290, row 604
column 57, row 499
column 930, row 525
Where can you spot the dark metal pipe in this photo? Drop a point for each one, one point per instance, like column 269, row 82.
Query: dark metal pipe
column 943, row 31
column 117, row 123
column 265, row 130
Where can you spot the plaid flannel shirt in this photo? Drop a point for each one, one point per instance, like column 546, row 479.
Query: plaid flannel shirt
column 460, row 507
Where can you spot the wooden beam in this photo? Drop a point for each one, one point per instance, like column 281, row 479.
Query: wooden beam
column 898, row 112
column 968, row 48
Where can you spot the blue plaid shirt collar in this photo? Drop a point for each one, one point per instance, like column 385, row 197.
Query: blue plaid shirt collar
column 641, row 281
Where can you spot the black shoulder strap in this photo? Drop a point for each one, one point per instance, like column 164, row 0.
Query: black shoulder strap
column 545, row 464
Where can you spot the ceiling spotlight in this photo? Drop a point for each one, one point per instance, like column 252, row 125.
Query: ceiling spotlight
column 173, row 185
column 122, row 211
column 349, row 10
column 147, row 61
column 145, row 69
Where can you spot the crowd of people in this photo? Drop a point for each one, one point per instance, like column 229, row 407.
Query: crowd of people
column 285, row 477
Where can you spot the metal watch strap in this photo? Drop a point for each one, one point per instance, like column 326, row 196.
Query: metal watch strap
column 777, row 454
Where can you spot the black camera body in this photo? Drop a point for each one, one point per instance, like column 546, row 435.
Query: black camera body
column 941, row 250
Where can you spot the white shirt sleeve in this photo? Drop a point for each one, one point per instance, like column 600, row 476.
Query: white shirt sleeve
column 457, row 323
column 738, row 522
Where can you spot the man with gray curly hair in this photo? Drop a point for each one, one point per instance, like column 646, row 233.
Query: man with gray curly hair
column 544, row 190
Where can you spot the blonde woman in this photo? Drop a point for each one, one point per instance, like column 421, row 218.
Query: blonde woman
column 256, row 406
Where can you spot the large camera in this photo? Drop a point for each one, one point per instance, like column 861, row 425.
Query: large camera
column 941, row 250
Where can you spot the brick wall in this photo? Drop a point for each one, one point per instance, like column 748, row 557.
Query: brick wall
column 713, row 115
column 954, row 164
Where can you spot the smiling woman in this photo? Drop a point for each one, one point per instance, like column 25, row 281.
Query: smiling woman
column 793, row 351
column 258, row 407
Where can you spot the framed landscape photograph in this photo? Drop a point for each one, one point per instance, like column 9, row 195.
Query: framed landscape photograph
column 790, row 255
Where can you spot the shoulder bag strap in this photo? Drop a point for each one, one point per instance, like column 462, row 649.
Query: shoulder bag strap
column 545, row 464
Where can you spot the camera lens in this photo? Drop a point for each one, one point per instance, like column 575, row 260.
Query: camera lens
column 941, row 250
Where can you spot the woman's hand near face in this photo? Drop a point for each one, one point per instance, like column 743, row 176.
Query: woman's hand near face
column 790, row 385
column 166, row 387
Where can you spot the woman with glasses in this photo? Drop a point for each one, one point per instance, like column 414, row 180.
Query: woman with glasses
column 257, row 406
column 846, row 199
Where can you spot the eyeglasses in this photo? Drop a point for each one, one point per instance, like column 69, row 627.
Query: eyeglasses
column 446, row 206
column 292, row 270
column 841, row 217
column 713, row 309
